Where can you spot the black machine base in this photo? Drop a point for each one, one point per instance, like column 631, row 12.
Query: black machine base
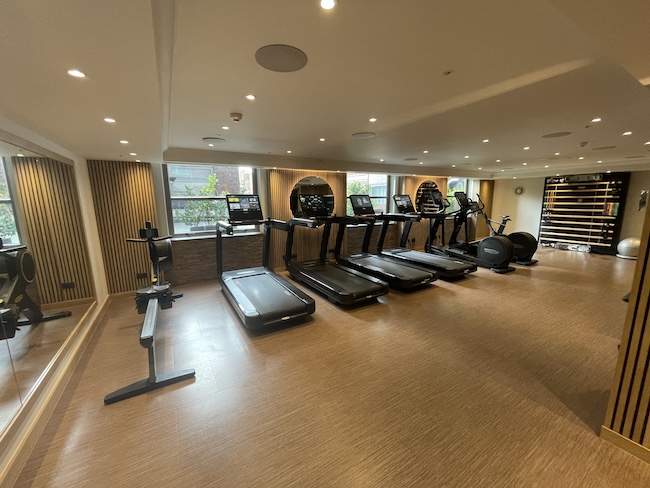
column 148, row 384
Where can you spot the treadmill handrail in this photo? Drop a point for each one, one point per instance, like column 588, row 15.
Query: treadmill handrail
column 224, row 226
column 311, row 223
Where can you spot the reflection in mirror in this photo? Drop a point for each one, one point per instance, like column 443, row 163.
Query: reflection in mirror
column 424, row 198
column 310, row 185
column 44, row 264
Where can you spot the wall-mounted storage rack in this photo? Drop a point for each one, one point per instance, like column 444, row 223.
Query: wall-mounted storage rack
column 583, row 212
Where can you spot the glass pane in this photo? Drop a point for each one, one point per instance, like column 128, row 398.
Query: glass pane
column 379, row 204
column 8, row 231
column 208, row 180
column 368, row 184
column 4, row 187
column 197, row 215
column 454, row 185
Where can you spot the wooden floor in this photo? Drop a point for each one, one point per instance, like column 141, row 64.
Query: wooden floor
column 496, row 380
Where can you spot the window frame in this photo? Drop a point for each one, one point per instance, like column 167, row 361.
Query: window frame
column 11, row 202
column 238, row 230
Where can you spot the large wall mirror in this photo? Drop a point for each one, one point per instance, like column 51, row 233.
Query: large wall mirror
column 44, row 269
column 310, row 185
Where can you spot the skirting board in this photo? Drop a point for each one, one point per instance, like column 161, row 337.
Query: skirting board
column 20, row 437
column 626, row 444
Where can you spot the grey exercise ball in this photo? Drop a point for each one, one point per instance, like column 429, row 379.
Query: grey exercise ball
column 628, row 248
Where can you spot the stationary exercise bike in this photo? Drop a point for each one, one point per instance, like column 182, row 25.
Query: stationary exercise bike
column 17, row 271
column 524, row 243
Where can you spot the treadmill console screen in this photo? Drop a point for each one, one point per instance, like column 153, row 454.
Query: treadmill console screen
column 362, row 205
column 404, row 204
column 244, row 208
column 462, row 199
column 316, row 205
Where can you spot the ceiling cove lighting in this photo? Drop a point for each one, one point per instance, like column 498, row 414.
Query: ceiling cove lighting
column 627, row 133
column 124, row 141
column 109, row 120
column 596, row 119
column 327, row 4
column 250, row 97
column 76, row 73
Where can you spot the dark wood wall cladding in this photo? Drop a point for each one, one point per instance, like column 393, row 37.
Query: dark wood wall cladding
column 49, row 200
column 307, row 241
column 628, row 412
column 195, row 259
column 124, row 201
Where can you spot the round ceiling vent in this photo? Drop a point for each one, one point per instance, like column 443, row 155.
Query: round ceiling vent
column 556, row 134
column 281, row 58
column 364, row 135
column 213, row 140
column 603, row 148
column 411, row 159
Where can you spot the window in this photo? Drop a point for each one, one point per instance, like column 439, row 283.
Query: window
column 375, row 185
column 197, row 194
column 454, row 185
column 8, row 229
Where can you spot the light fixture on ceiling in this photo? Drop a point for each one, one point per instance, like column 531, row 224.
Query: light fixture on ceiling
column 498, row 160
column 109, row 120
column 327, row 4
column 554, row 135
column 76, row 73
column 133, row 154
column 557, row 153
column 372, row 119
column 546, row 166
column 486, row 140
column 137, row 160
column 381, row 160
column 609, row 170
column 364, row 135
column 453, row 165
column 466, row 157
column 281, row 58
column 20, row 155
column 250, row 97
column 421, row 162
column 581, row 157
column 627, row 133
column 124, row 141
column 322, row 139
column 427, row 152
column 525, row 164
column 526, row 148
column 225, row 127
column 596, row 119
column 480, row 167
column 646, row 143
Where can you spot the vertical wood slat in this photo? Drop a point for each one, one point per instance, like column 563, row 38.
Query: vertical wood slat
column 628, row 411
column 124, row 200
column 48, row 196
column 307, row 241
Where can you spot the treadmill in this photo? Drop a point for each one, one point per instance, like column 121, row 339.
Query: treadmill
column 399, row 275
column 345, row 286
column 446, row 267
column 259, row 296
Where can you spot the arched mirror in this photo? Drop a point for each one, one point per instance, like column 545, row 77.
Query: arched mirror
column 303, row 194
column 44, row 269
column 424, row 198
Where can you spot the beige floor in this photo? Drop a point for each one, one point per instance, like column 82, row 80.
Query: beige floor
column 497, row 380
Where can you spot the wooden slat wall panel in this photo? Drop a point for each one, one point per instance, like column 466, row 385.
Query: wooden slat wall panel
column 49, row 199
column 486, row 190
column 124, row 201
column 628, row 411
column 307, row 241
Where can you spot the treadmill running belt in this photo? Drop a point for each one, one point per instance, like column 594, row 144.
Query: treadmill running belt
column 268, row 296
column 341, row 279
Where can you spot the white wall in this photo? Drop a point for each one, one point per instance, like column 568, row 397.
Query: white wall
column 525, row 210
column 633, row 218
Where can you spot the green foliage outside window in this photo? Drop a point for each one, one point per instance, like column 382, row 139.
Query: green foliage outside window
column 204, row 212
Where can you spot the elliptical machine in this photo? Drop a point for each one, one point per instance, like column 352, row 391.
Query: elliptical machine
column 17, row 271
column 524, row 243
column 493, row 252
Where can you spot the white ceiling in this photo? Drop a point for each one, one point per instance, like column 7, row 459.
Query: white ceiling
column 171, row 72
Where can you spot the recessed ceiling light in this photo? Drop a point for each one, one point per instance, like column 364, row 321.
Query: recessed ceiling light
column 480, row 167
column 627, row 133
column 338, row 170
column 526, row 148
column 597, row 119
column 327, row 4
column 20, row 155
column 322, row 139
column 581, row 157
column 413, row 174
column 124, row 141
column 514, row 177
column 503, row 170
column 213, row 140
column 289, row 152
column 421, row 162
column 250, row 96
column 525, row 164
column 546, row 166
column 486, row 140
column 133, row 154
column 557, row 154
column 466, row 157
column 137, row 160
column 372, row 119
column 225, row 127
column 646, row 143
column 609, row 171
column 427, row 152
column 211, row 145
column 109, row 120
column 498, row 160
column 599, row 161
column 275, row 167
column 453, row 165
column 76, row 73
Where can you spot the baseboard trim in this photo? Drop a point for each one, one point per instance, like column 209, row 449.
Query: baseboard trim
column 20, row 437
column 626, row 444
